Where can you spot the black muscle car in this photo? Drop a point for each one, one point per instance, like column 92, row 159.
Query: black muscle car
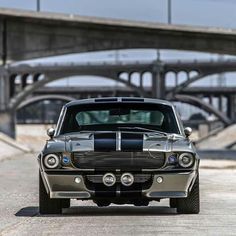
column 119, row 150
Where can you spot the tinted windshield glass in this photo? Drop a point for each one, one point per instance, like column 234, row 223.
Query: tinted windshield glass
column 115, row 116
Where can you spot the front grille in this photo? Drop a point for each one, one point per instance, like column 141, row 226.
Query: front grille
column 117, row 160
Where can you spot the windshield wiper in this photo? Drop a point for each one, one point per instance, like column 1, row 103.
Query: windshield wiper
column 143, row 129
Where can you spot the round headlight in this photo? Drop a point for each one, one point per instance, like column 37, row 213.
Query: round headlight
column 51, row 161
column 186, row 160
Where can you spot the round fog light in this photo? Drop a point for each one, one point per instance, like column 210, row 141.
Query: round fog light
column 159, row 179
column 109, row 179
column 78, row 180
column 127, row 179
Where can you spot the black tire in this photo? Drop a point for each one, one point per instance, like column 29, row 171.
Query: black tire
column 190, row 204
column 173, row 202
column 102, row 203
column 65, row 203
column 46, row 204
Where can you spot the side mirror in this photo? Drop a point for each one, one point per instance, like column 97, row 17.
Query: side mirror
column 188, row 131
column 51, row 132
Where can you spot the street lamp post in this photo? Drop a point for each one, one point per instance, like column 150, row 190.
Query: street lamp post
column 38, row 5
column 169, row 11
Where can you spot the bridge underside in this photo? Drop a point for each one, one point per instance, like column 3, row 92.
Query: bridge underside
column 27, row 35
column 22, row 82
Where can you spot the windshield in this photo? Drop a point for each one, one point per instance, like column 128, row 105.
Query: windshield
column 113, row 117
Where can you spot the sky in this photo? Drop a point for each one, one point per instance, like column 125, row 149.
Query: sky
column 217, row 13
column 211, row 13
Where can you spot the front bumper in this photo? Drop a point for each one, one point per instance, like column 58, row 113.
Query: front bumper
column 174, row 185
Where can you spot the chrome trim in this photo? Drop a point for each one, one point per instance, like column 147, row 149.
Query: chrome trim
column 65, row 170
column 168, row 194
column 177, row 118
column 118, row 141
column 71, row 194
column 46, row 183
column 60, row 121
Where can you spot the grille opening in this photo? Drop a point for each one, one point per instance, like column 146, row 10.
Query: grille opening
column 125, row 161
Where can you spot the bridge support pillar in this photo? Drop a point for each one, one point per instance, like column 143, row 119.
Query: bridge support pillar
column 158, row 81
column 4, row 89
column 231, row 107
column 7, row 117
column 8, row 123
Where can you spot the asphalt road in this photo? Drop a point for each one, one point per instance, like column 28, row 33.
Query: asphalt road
column 19, row 208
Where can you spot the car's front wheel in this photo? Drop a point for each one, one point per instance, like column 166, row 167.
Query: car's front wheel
column 173, row 202
column 190, row 204
column 48, row 205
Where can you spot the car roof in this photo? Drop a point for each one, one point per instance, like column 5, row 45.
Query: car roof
column 118, row 99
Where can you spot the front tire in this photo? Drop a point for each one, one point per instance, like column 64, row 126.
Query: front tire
column 46, row 204
column 173, row 202
column 190, row 204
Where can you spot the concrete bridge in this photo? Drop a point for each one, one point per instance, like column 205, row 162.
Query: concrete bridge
column 66, row 94
column 24, row 80
column 27, row 35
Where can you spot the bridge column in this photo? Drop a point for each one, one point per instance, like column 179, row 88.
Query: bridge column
column 210, row 99
column 220, row 103
column 7, row 117
column 12, row 79
column 7, row 123
column 4, row 89
column 36, row 77
column 176, row 79
column 129, row 78
column 231, row 107
column 158, row 81
column 141, row 80
column 24, row 81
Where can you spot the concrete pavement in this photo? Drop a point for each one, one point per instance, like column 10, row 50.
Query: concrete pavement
column 19, row 208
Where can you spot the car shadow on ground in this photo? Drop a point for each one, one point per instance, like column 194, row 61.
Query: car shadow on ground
column 100, row 211
column 29, row 211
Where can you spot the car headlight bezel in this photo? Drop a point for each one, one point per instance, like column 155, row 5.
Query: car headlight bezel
column 182, row 159
column 47, row 158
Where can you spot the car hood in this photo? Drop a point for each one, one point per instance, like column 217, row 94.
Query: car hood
column 119, row 141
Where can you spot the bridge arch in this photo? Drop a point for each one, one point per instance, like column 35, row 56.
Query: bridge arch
column 186, row 83
column 36, row 99
column 181, row 98
column 20, row 97
column 203, row 105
